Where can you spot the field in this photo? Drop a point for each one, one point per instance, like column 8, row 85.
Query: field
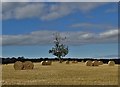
column 61, row 74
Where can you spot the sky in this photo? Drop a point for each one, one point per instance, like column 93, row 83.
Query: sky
column 90, row 28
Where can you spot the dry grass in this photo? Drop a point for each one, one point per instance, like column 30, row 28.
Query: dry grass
column 61, row 74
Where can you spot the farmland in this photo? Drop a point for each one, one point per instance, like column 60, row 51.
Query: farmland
column 61, row 74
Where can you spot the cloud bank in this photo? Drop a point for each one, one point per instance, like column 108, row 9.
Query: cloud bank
column 47, row 38
column 51, row 11
column 45, row 11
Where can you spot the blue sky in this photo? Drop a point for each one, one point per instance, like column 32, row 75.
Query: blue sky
column 91, row 28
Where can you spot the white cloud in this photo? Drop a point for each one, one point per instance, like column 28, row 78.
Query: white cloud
column 92, row 26
column 28, row 11
column 22, row 10
column 83, row 25
column 109, row 34
column 33, row 38
column 56, row 11
column 45, row 11
column 73, row 38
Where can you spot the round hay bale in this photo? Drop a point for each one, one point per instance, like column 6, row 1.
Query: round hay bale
column 48, row 62
column 95, row 63
column 74, row 61
column 28, row 65
column 82, row 61
column 100, row 62
column 67, row 62
column 43, row 63
column 18, row 65
column 88, row 63
column 111, row 63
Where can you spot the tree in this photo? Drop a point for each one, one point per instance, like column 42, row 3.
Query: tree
column 59, row 50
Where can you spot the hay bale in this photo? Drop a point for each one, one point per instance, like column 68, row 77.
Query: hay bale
column 82, row 61
column 67, row 62
column 28, row 65
column 100, row 62
column 43, row 63
column 18, row 65
column 88, row 63
column 111, row 63
column 74, row 61
column 48, row 62
column 95, row 63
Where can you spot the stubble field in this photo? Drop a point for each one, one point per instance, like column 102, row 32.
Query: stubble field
column 61, row 74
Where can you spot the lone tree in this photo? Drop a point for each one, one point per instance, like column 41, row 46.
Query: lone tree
column 59, row 50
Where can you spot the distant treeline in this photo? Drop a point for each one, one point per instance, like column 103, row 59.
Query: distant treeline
column 22, row 59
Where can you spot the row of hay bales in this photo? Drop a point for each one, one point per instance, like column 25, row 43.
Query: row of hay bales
column 50, row 62
column 18, row 65
column 46, row 62
column 29, row 65
column 68, row 62
column 97, row 63
column 93, row 63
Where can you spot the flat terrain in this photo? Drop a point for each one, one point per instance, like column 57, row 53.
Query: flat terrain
column 61, row 74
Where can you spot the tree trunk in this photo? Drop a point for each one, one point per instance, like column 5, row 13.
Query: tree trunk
column 60, row 60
